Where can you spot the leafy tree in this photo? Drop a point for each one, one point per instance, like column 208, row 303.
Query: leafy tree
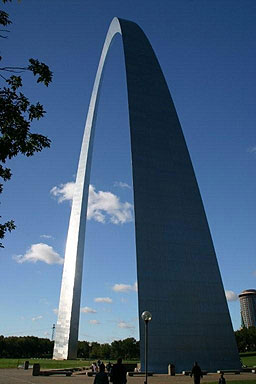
column 246, row 339
column 105, row 351
column 83, row 349
column 117, row 349
column 17, row 114
column 95, row 350
column 131, row 348
column 2, row 345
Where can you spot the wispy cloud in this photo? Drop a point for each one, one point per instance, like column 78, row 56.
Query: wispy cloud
column 124, row 324
column 122, row 185
column 94, row 322
column 123, row 300
column 44, row 301
column 125, row 287
column 252, row 149
column 103, row 300
column 88, row 310
column 102, row 206
column 37, row 318
column 47, row 237
column 40, row 252
column 231, row 296
column 56, row 311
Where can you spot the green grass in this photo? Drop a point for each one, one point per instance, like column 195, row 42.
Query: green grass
column 45, row 363
column 248, row 359
column 51, row 364
column 236, row 382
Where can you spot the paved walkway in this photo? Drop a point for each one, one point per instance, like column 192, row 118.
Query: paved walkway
column 20, row 376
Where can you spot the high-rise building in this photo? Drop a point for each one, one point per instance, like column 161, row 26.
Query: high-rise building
column 248, row 307
column 179, row 280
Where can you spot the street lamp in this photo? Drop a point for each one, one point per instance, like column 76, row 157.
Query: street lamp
column 146, row 316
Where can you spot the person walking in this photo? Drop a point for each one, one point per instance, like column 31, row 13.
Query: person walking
column 101, row 377
column 109, row 367
column 222, row 379
column 118, row 373
column 197, row 373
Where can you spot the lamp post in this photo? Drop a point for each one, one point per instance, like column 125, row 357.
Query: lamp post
column 146, row 316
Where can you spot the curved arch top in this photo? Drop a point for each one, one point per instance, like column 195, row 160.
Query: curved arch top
column 178, row 276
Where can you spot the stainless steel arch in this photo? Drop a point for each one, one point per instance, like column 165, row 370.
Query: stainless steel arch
column 178, row 276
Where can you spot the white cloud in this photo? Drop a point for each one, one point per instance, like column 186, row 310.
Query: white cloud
column 63, row 191
column 56, row 311
column 123, row 324
column 37, row 318
column 47, row 237
column 40, row 252
column 46, row 334
column 94, row 322
column 105, row 204
column 102, row 206
column 103, row 300
column 231, row 296
column 122, row 185
column 88, row 310
column 125, row 287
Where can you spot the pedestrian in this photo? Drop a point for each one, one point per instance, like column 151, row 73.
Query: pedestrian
column 101, row 377
column 197, row 373
column 222, row 379
column 98, row 365
column 108, row 367
column 118, row 373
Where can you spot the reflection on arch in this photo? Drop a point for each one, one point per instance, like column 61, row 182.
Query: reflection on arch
column 178, row 276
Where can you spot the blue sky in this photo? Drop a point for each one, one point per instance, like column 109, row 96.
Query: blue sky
column 207, row 52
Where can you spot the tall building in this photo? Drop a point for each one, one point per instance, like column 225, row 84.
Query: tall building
column 178, row 276
column 248, row 307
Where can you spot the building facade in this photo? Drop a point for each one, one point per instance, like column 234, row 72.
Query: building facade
column 248, row 308
column 179, row 280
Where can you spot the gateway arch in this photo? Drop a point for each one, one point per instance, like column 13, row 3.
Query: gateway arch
column 179, row 280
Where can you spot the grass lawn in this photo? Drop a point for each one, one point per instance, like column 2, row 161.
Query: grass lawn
column 52, row 364
column 248, row 358
column 237, row 382
column 45, row 363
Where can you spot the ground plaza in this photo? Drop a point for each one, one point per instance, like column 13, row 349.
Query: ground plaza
column 20, row 376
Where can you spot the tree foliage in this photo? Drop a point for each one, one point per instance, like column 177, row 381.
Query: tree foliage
column 17, row 114
column 246, row 339
column 127, row 349
column 31, row 346
column 25, row 347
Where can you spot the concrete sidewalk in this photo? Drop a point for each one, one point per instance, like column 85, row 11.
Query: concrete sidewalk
column 19, row 376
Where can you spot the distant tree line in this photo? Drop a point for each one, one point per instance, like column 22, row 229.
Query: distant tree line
column 246, row 339
column 25, row 347
column 31, row 346
column 127, row 349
